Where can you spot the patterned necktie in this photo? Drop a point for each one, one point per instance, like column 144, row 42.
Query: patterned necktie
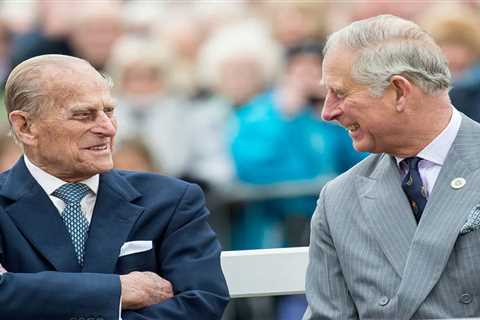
column 73, row 217
column 413, row 187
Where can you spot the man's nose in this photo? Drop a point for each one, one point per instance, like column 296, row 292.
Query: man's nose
column 331, row 111
column 105, row 125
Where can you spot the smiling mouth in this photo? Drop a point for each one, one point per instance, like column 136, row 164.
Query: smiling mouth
column 353, row 127
column 99, row 147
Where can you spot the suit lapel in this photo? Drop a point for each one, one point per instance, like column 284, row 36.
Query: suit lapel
column 446, row 211
column 38, row 219
column 387, row 212
column 113, row 217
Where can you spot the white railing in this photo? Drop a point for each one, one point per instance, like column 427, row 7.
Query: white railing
column 268, row 272
column 265, row 272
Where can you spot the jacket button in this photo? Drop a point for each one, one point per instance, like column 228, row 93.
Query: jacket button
column 383, row 301
column 466, row 298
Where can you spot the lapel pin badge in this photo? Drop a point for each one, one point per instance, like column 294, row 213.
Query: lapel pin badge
column 457, row 183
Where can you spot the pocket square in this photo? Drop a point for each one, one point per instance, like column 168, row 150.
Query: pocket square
column 132, row 247
column 473, row 221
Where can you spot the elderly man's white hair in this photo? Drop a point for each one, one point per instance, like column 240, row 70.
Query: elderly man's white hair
column 388, row 45
column 250, row 38
column 28, row 87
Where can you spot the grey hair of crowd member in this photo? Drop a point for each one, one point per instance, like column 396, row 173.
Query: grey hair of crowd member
column 388, row 45
column 31, row 85
column 248, row 38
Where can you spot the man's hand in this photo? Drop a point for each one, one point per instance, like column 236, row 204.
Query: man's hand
column 143, row 289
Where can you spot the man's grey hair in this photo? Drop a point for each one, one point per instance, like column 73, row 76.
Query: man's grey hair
column 387, row 45
column 23, row 87
column 29, row 85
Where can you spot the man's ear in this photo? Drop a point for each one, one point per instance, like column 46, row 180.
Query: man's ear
column 403, row 88
column 22, row 126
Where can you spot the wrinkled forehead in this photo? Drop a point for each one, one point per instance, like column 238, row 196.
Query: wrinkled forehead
column 75, row 84
column 71, row 76
column 337, row 66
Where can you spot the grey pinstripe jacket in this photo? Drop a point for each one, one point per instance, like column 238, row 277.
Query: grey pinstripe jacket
column 369, row 259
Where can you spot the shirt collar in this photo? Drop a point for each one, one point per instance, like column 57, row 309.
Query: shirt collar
column 51, row 183
column 437, row 150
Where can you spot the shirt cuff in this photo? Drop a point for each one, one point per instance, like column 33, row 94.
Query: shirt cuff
column 120, row 309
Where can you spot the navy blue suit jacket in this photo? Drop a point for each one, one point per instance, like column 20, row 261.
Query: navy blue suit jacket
column 44, row 280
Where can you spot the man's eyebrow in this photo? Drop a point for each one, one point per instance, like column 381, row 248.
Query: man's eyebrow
column 110, row 103
column 85, row 106
column 81, row 107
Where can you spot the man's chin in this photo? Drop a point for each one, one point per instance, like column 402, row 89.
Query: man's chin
column 99, row 166
column 105, row 168
column 361, row 147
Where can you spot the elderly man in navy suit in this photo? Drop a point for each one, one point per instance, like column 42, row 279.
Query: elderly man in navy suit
column 79, row 240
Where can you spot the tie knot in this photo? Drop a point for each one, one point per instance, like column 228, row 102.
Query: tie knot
column 71, row 192
column 412, row 162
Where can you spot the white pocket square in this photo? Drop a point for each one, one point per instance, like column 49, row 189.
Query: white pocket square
column 473, row 221
column 132, row 247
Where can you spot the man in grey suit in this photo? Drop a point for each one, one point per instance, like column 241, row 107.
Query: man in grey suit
column 396, row 237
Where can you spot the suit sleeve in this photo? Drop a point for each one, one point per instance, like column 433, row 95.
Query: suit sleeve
column 1, row 248
column 327, row 293
column 59, row 296
column 189, row 257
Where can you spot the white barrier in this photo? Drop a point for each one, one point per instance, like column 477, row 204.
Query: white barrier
column 268, row 272
column 265, row 272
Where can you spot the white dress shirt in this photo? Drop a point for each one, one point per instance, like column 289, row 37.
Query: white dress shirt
column 51, row 183
column 435, row 153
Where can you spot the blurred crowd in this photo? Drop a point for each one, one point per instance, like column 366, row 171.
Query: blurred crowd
column 226, row 94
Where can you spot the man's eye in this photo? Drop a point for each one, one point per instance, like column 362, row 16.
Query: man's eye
column 340, row 94
column 337, row 94
column 109, row 111
column 82, row 115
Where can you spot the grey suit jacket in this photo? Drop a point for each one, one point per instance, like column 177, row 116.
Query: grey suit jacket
column 369, row 259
